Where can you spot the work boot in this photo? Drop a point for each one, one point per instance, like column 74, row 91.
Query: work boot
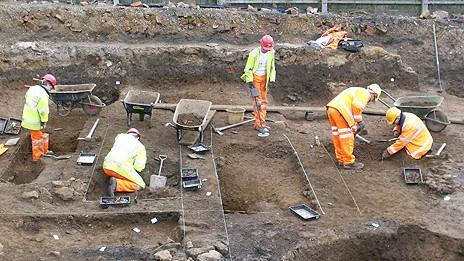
column 353, row 166
column 111, row 187
column 263, row 132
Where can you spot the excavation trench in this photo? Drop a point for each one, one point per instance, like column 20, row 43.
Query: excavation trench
column 62, row 140
column 249, row 186
column 407, row 243
column 81, row 237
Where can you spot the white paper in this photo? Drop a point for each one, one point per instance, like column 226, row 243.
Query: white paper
column 118, row 82
column 392, row 79
column 102, row 249
column 154, row 220
column 375, row 225
column 136, row 229
column 208, row 193
column 56, row 237
column 447, row 198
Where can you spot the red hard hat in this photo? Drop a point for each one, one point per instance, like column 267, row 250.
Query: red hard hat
column 50, row 78
column 267, row 43
column 135, row 131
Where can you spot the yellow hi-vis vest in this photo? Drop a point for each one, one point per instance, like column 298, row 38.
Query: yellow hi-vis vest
column 414, row 136
column 351, row 103
column 126, row 157
column 35, row 109
column 253, row 64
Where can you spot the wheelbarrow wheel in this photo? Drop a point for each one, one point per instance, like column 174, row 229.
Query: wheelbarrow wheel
column 93, row 106
column 65, row 109
column 436, row 121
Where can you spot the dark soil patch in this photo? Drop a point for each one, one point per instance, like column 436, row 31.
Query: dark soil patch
column 277, row 182
column 22, row 169
column 407, row 243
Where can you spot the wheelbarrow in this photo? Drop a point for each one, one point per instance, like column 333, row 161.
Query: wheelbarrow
column 425, row 107
column 140, row 102
column 68, row 97
column 191, row 115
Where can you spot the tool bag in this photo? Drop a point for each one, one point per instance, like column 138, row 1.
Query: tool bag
column 350, row 45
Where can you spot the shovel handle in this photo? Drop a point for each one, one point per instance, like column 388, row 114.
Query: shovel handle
column 162, row 158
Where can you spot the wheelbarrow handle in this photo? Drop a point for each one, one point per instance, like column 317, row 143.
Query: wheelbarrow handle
column 389, row 95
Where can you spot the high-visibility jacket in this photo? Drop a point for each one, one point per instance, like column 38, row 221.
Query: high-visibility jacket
column 335, row 37
column 351, row 103
column 414, row 135
column 253, row 64
column 35, row 109
column 126, row 157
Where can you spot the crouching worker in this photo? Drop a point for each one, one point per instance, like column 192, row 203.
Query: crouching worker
column 126, row 158
column 412, row 133
column 345, row 117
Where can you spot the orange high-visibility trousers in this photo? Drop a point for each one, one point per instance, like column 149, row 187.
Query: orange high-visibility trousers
column 39, row 144
column 122, row 184
column 342, row 137
column 259, row 81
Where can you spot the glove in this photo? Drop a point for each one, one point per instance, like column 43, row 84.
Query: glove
column 361, row 126
column 43, row 125
column 385, row 154
column 354, row 129
column 254, row 91
column 396, row 134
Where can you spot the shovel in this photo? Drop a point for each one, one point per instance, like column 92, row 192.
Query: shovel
column 158, row 181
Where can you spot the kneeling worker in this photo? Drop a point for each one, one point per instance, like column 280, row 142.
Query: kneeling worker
column 412, row 133
column 127, row 157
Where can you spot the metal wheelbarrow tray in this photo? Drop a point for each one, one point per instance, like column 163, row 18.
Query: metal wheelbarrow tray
column 191, row 115
column 141, row 102
column 13, row 126
column 425, row 107
column 304, row 212
column 67, row 97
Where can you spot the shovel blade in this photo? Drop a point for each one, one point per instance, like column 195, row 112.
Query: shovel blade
column 157, row 181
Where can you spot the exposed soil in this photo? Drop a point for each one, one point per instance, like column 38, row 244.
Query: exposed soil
column 249, row 183
column 189, row 119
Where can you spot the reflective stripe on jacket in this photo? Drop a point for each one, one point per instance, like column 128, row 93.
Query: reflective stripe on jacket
column 35, row 109
column 351, row 103
column 253, row 63
column 414, row 136
column 126, row 157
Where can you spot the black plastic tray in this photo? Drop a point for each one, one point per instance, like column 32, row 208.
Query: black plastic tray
column 193, row 184
column 412, row 175
column 304, row 212
column 188, row 174
column 13, row 126
column 3, row 122
column 200, row 147
column 86, row 158
column 122, row 201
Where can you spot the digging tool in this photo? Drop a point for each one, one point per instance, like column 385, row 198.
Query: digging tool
column 389, row 140
column 158, row 181
column 195, row 156
column 61, row 157
column 437, row 154
column 89, row 136
column 219, row 130
column 363, row 139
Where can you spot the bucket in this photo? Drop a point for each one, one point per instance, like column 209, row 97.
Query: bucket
column 235, row 115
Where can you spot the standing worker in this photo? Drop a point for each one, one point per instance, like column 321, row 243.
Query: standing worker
column 345, row 117
column 35, row 114
column 258, row 73
column 411, row 132
column 127, row 157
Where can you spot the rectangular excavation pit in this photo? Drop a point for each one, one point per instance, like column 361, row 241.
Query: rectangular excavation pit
column 254, row 178
column 23, row 170
column 81, row 237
